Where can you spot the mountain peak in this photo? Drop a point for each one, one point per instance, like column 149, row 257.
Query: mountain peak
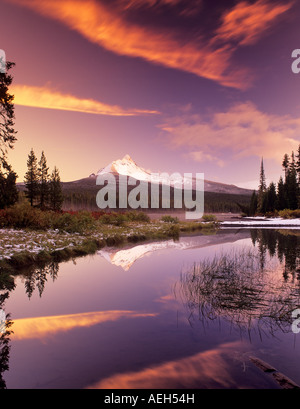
column 127, row 158
column 126, row 166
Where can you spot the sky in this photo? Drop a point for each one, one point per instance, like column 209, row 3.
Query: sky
column 180, row 85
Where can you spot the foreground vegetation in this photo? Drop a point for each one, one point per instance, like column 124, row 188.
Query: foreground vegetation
column 243, row 287
column 29, row 235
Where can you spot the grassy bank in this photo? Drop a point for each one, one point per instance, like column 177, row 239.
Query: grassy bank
column 29, row 236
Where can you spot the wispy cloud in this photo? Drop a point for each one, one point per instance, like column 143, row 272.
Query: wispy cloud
column 210, row 366
column 200, row 156
column 45, row 97
column 184, row 7
column 41, row 327
column 245, row 23
column 241, row 131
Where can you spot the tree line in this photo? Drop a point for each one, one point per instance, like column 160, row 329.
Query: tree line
column 42, row 189
column 283, row 195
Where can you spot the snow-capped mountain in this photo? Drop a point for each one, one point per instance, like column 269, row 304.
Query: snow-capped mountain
column 128, row 167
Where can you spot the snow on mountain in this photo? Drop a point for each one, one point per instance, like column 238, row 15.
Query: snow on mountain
column 128, row 167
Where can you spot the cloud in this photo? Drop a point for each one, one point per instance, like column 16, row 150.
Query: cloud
column 185, row 7
column 108, row 28
column 45, row 97
column 241, row 131
column 200, row 156
column 42, row 327
column 209, row 369
column 247, row 22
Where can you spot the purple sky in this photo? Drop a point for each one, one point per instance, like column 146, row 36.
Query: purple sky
column 179, row 85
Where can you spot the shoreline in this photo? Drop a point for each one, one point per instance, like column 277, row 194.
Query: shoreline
column 20, row 249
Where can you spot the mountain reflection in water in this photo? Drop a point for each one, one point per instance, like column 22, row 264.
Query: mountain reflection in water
column 252, row 288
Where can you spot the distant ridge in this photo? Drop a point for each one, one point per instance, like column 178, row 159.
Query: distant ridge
column 81, row 194
column 128, row 167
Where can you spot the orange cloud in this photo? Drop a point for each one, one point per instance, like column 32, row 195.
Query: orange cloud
column 109, row 29
column 247, row 22
column 45, row 97
column 243, row 129
column 206, row 369
column 41, row 327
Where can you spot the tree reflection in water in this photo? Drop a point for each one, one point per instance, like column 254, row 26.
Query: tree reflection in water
column 253, row 288
column 35, row 278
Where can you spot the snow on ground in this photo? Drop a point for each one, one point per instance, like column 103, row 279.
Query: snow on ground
column 263, row 222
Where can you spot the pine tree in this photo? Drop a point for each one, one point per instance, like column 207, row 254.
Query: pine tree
column 261, row 199
column 292, row 184
column 298, row 164
column 253, row 204
column 285, row 164
column 31, row 178
column 271, row 198
column 43, row 177
column 8, row 188
column 281, row 203
column 55, row 191
column 7, row 115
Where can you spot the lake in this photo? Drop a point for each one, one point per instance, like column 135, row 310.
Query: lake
column 186, row 314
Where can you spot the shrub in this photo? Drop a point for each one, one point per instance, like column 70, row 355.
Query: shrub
column 114, row 240
column 289, row 214
column 136, row 237
column 22, row 215
column 137, row 217
column 209, row 218
column 169, row 219
column 73, row 223
column 174, row 231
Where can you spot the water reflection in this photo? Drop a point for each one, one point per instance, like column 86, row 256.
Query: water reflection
column 126, row 257
column 284, row 244
column 6, row 286
column 42, row 327
column 37, row 278
column 207, row 369
column 252, row 288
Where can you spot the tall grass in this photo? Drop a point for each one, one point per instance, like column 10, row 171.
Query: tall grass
column 238, row 288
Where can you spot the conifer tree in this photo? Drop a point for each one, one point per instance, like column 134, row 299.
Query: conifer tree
column 55, row 191
column 7, row 115
column 8, row 188
column 271, row 198
column 281, row 203
column 261, row 199
column 253, row 204
column 292, row 185
column 298, row 165
column 285, row 164
column 31, row 178
column 43, row 178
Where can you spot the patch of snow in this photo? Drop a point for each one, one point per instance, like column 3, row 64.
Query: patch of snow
column 276, row 222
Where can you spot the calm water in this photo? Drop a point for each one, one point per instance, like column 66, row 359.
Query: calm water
column 140, row 317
